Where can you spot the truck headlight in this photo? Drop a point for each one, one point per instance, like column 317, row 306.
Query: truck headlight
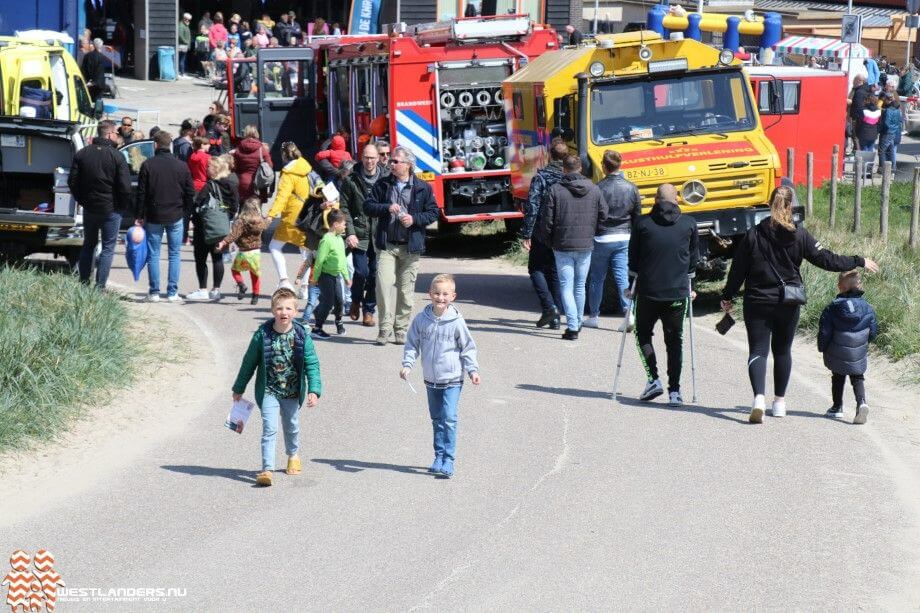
column 596, row 69
column 726, row 56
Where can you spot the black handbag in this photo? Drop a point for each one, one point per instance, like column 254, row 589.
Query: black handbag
column 792, row 293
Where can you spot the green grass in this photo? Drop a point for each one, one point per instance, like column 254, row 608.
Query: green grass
column 61, row 346
column 895, row 291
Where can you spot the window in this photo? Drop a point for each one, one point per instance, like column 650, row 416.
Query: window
column 541, row 111
column 286, row 79
column 650, row 109
column 790, row 97
column 137, row 153
column 84, row 102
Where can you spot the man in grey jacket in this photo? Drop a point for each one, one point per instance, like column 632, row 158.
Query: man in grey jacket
column 574, row 211
column 611, row 243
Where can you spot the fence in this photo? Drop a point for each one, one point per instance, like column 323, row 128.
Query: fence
column 861, row 169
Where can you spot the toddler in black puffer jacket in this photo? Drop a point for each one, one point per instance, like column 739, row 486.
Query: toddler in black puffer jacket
column 847, row 325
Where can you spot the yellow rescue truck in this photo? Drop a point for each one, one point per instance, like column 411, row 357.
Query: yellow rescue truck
column 677, row 111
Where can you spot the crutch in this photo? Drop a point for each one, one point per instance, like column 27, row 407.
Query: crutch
column 632, row 306
column 692, row 356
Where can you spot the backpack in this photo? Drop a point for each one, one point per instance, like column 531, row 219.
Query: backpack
column 213, row 214
column 264, row 175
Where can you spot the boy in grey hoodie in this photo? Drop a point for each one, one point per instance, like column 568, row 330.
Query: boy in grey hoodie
column 440, row 337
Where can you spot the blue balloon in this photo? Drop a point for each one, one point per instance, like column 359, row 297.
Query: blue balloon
column 136, row 252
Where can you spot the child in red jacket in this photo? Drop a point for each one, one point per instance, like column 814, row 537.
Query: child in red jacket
column 336, row 153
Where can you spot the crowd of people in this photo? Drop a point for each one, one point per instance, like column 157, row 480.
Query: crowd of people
column 576, row 231
column 360, row 246
column 215, row 39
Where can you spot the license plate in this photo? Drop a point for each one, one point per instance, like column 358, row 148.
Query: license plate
column 426, row 176
column 18, row 227
column 644, row 173
column 12, row 140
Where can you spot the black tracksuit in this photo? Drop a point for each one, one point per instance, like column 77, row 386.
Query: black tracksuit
column 770, row 323
column 663, row 251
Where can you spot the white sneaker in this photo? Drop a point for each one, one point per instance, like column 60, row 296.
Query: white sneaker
column 201, row 294
column 862, row 414
column 756, row 416
column 285, row 283
column 778, row 409
column 214, row 294
column 153, row 297
column 674, row 400
column 174, row 299
column 652, row 390
column 628, row 323
column 590, row 322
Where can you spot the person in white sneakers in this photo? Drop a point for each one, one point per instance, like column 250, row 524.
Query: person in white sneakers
column 663, row 254
column 611, row 242
column 767, row 262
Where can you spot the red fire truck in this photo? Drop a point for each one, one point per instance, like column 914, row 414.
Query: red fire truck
column 436, row 89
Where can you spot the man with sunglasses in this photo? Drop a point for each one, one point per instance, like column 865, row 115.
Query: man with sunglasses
column 403, row 206
column 383, row 152
column 126, row 130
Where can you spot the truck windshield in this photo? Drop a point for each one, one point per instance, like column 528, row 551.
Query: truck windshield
column 708, row 103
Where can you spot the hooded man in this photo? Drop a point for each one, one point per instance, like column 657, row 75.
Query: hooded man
column 541, row 263
column 574, row 210
column 663, row 252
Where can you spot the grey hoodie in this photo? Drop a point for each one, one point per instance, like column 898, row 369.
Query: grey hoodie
column 444, row 344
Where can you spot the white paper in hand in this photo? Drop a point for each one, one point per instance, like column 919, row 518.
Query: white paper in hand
column 330, row 193
column 239, row 415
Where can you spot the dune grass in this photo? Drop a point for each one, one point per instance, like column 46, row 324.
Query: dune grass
column 61, row 345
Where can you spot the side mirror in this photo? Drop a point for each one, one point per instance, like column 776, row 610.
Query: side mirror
column 778, row 97
column 98, row 109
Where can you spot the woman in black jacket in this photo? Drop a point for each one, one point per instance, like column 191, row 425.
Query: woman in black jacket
column 224, row 185
column 767, row 260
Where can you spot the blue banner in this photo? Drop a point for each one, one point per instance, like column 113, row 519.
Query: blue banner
column 364, row 17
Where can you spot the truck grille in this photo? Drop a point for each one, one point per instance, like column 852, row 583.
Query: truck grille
column 735, row 190
column 757, row 163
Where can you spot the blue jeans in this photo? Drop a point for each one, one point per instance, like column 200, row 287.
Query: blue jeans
column 613, row 257
column 313, row 293
column 364, row 281
column 572, row 267
column 93, row 224
column 442, row 406
column 289, row 410
column 888, row 150
column 174, row 241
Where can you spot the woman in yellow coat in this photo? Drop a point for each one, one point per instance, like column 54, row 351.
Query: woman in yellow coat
column 294, row 189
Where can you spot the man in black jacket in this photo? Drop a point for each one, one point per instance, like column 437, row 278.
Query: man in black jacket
column 403, row 206
column 663, row 252
column 93, row 68
column 355, row 189
column 101, row 183
column 574, row 210
column 541, row 263
column 165, row 195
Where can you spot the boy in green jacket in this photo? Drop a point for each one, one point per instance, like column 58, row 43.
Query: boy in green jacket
column 282, row 356
column 329, row 265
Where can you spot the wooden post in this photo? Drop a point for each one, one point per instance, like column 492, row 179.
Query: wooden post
column 857, row 197
column 790, row 164
column 914, row 240
column 809, row 183
column 886, row 195
column 835, row 157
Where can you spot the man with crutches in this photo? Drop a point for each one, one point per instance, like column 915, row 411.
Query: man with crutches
column 663, row 253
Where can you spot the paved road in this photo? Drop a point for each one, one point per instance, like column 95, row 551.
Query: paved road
column 563, row 498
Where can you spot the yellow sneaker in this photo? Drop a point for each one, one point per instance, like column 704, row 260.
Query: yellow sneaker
column 293, row 467
column 264, row 478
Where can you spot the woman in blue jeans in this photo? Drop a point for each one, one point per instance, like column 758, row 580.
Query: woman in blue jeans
column 611, row 243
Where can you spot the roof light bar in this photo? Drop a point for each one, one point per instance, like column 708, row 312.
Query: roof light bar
column 675, row 65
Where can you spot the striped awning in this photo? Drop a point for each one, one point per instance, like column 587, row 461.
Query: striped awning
column 821, row 47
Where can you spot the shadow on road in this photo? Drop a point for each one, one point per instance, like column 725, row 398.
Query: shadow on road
column 563, row 391
column 236, row 474
column 511, row 292
column 356, row 466
column 737, row 414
